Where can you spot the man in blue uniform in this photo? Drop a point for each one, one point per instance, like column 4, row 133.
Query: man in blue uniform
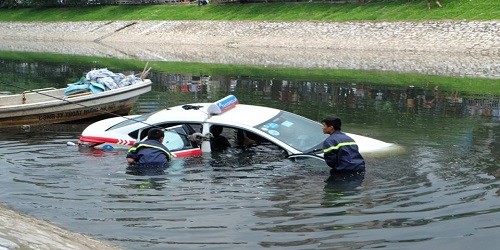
column 218, row 142
column 150, row 153
column 340, row 151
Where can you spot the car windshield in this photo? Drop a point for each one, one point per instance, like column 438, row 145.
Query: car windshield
column 130, row 121
column 300, row 133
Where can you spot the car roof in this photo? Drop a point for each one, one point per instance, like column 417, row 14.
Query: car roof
column 240, row 115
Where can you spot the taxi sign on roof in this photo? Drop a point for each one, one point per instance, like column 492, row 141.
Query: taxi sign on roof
column 222, row 105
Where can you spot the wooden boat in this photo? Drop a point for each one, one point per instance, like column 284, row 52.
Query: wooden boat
column 51, row 105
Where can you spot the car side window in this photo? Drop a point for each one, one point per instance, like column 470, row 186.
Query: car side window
column 173, row 141
column 175, row 136
column 178, row 137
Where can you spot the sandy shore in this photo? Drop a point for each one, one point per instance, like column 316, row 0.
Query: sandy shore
column 452, row 48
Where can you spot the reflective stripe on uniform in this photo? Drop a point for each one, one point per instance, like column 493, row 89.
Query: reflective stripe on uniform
column 151, row 146
column 326, row 150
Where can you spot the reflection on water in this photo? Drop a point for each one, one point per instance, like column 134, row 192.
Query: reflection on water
column 171, row 89
column 443, row 193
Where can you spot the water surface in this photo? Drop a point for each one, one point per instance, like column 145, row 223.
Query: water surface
column 441, row 193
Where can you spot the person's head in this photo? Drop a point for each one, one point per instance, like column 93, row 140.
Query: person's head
column 155, row 134
column 216, row 130
column 331, row 124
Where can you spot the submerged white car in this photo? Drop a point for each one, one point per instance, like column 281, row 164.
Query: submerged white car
column 296, row 135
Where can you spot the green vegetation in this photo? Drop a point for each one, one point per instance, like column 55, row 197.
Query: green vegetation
column 461, row 84
column 415, row 10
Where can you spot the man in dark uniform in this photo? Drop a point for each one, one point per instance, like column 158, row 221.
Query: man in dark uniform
column 150, row 153
column 218, row 142
column 341, row 151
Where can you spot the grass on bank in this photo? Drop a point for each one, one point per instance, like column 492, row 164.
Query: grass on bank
column 411, row 10
column 464, row 85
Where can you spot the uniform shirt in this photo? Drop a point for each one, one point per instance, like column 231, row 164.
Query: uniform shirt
column 341, row 153
column 150, row 153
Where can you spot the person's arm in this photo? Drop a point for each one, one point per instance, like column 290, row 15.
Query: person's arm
column 249, row 141
column 330, row 157
column 244, row 139
column 196, row 137
column 132, row 154
column 130, row 160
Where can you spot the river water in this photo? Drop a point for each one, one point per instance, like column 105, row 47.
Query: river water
column 441, row 193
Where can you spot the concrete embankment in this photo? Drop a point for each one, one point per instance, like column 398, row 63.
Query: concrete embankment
column 456, row 48
column 19, row 231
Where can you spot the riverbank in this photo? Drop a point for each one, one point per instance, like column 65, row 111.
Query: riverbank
column 455, row 48
column 439, row 48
